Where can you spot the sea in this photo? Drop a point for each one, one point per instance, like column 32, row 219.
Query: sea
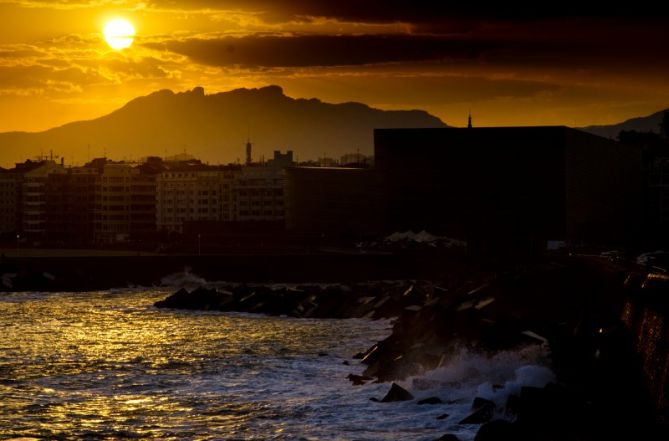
column 108, row 365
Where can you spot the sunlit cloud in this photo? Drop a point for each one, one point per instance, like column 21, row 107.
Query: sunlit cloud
column 444, row 58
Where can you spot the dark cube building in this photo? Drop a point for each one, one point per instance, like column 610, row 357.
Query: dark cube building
column 334, row 202
column 499, row 188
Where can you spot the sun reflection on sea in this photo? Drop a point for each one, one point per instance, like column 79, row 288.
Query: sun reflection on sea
column 110, row 366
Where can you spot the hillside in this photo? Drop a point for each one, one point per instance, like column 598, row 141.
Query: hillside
column 215, row 127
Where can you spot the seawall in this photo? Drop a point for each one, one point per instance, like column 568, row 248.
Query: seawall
column 646, row 315
column 84, row 273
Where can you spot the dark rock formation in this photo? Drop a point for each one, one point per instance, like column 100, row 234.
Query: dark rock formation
column 499, row 430
column 572, row 304
column 483, row 411
column 358, row 380
column 372, row 300
column 397, row 393
column 201, row 298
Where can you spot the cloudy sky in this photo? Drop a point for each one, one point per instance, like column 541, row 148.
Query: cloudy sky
column 510, row 66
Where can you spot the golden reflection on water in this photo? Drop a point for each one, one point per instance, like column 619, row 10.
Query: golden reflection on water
column 109, row 366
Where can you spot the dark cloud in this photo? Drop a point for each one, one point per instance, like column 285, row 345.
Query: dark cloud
column 319, row 50
column 427, row 11
column 607, row 46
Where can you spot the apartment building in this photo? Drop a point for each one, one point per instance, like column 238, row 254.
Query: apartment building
column 194, row 191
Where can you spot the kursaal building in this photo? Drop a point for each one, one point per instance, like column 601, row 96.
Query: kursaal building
column 511, row 189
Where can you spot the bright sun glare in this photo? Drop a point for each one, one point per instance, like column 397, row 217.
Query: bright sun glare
column 119, row 33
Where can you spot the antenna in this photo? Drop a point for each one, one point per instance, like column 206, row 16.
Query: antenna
column 249, row 148
column 469, row 120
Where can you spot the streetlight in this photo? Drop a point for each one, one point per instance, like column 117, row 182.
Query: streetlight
column 18, row 238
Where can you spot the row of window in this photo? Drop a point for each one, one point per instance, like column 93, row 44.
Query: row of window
column 260, row 213
column 257, row 203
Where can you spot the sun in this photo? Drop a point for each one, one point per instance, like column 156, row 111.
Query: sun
column 119, row 33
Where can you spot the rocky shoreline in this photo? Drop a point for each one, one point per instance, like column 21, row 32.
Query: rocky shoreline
column 571, row 305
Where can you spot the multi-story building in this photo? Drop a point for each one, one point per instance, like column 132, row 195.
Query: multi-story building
column 70, row 205
column 112, row 203
column 33, row 205
column 191, row 192
column 259, row 190
column 142, row 205
column 9, row 202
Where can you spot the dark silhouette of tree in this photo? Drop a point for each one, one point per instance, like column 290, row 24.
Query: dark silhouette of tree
column 664, row 125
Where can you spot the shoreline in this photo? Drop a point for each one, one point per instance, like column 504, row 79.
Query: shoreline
column 572, row 305
column 590, row 311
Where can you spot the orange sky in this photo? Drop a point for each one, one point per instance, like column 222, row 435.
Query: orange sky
column 536, row 69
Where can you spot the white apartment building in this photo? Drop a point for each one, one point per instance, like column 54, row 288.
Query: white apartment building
column 194, row 193
column 112, row 203
column 33, row 199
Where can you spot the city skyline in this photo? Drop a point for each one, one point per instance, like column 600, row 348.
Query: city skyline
column 574, row 67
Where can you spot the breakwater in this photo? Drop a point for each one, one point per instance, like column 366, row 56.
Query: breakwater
column 86, row 273
column 572, row 305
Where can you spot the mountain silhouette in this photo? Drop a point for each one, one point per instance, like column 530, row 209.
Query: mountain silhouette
column 650, row 123
column 215, row 127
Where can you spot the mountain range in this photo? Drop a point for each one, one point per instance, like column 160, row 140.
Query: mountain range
column 215, row 128
column 650, row 123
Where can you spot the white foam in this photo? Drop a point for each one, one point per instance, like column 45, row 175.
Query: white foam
column 467, row 374
column 183, row 279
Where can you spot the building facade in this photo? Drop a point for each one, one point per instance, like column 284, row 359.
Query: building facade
column 9, row 203
column 258, row 194
column 334, row 202
column 125, row 204
column 34, row 196
column 497, row 188
column 70, row 206
column 195, row 192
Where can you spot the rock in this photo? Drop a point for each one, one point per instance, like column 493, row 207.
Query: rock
column 443, row 416
column 200, row 298
column 430, row 400
column 498, row 430
column 448, row 437
column 513, row 405
column 176, row 300
column 346, row 363
column 397, row 393
column 483, row 411
column 322, row 354
column 358, row 380
column 481, row 402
